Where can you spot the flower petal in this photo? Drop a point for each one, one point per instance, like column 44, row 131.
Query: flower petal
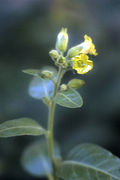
column 88, row 46
column 81, row 64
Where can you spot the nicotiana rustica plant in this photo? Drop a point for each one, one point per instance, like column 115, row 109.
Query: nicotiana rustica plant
column 84, row 162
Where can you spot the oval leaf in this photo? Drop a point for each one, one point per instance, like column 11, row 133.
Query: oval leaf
column 35, row 159
column 90, row 162
column 69, row 98
column 19, row 127
column 40, row 88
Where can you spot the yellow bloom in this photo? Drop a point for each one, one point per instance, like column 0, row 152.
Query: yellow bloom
column 88, row 46
column 82, row 64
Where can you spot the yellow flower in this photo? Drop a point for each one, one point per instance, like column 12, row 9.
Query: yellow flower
column 88, row 46
column 82, row 64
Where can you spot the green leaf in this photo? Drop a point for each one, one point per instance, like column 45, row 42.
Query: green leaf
column 44, row 73
column 35, row 158
column 69, row 98
column 90, row 162
column 34, row 72
column 19, row 127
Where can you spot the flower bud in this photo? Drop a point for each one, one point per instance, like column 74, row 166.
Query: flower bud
column 76, row 83
column 62, row 40
column 45, row 74
column 63, row 87
column 74, row 51
column 54, row 55
column 62, row 62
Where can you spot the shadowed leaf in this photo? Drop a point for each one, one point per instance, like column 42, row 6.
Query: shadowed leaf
column 90, row 162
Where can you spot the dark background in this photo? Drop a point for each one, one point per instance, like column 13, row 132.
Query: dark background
column 28, row 30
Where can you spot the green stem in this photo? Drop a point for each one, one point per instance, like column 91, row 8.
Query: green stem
column 51, row 122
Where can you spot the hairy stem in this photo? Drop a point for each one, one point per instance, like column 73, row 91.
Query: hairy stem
column 51, row 122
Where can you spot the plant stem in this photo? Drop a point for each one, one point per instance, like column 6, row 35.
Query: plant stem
column 51, row 122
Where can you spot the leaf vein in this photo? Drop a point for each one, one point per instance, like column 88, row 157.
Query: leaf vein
column 69, row 99
column 92, row 167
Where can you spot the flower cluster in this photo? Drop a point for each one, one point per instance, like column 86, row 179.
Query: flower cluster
column 77, row 56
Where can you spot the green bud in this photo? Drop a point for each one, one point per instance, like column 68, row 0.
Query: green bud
column 54, row 55
column 62, row 40
column 62, row 62
column 76, row 83
column 63, row 87
column 65, row 65
column 74, row 51
column 45, row 74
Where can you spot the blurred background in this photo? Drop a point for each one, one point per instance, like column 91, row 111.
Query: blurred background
column 28, row 30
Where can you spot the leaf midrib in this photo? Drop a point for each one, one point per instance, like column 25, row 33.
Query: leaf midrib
column 23, row 127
